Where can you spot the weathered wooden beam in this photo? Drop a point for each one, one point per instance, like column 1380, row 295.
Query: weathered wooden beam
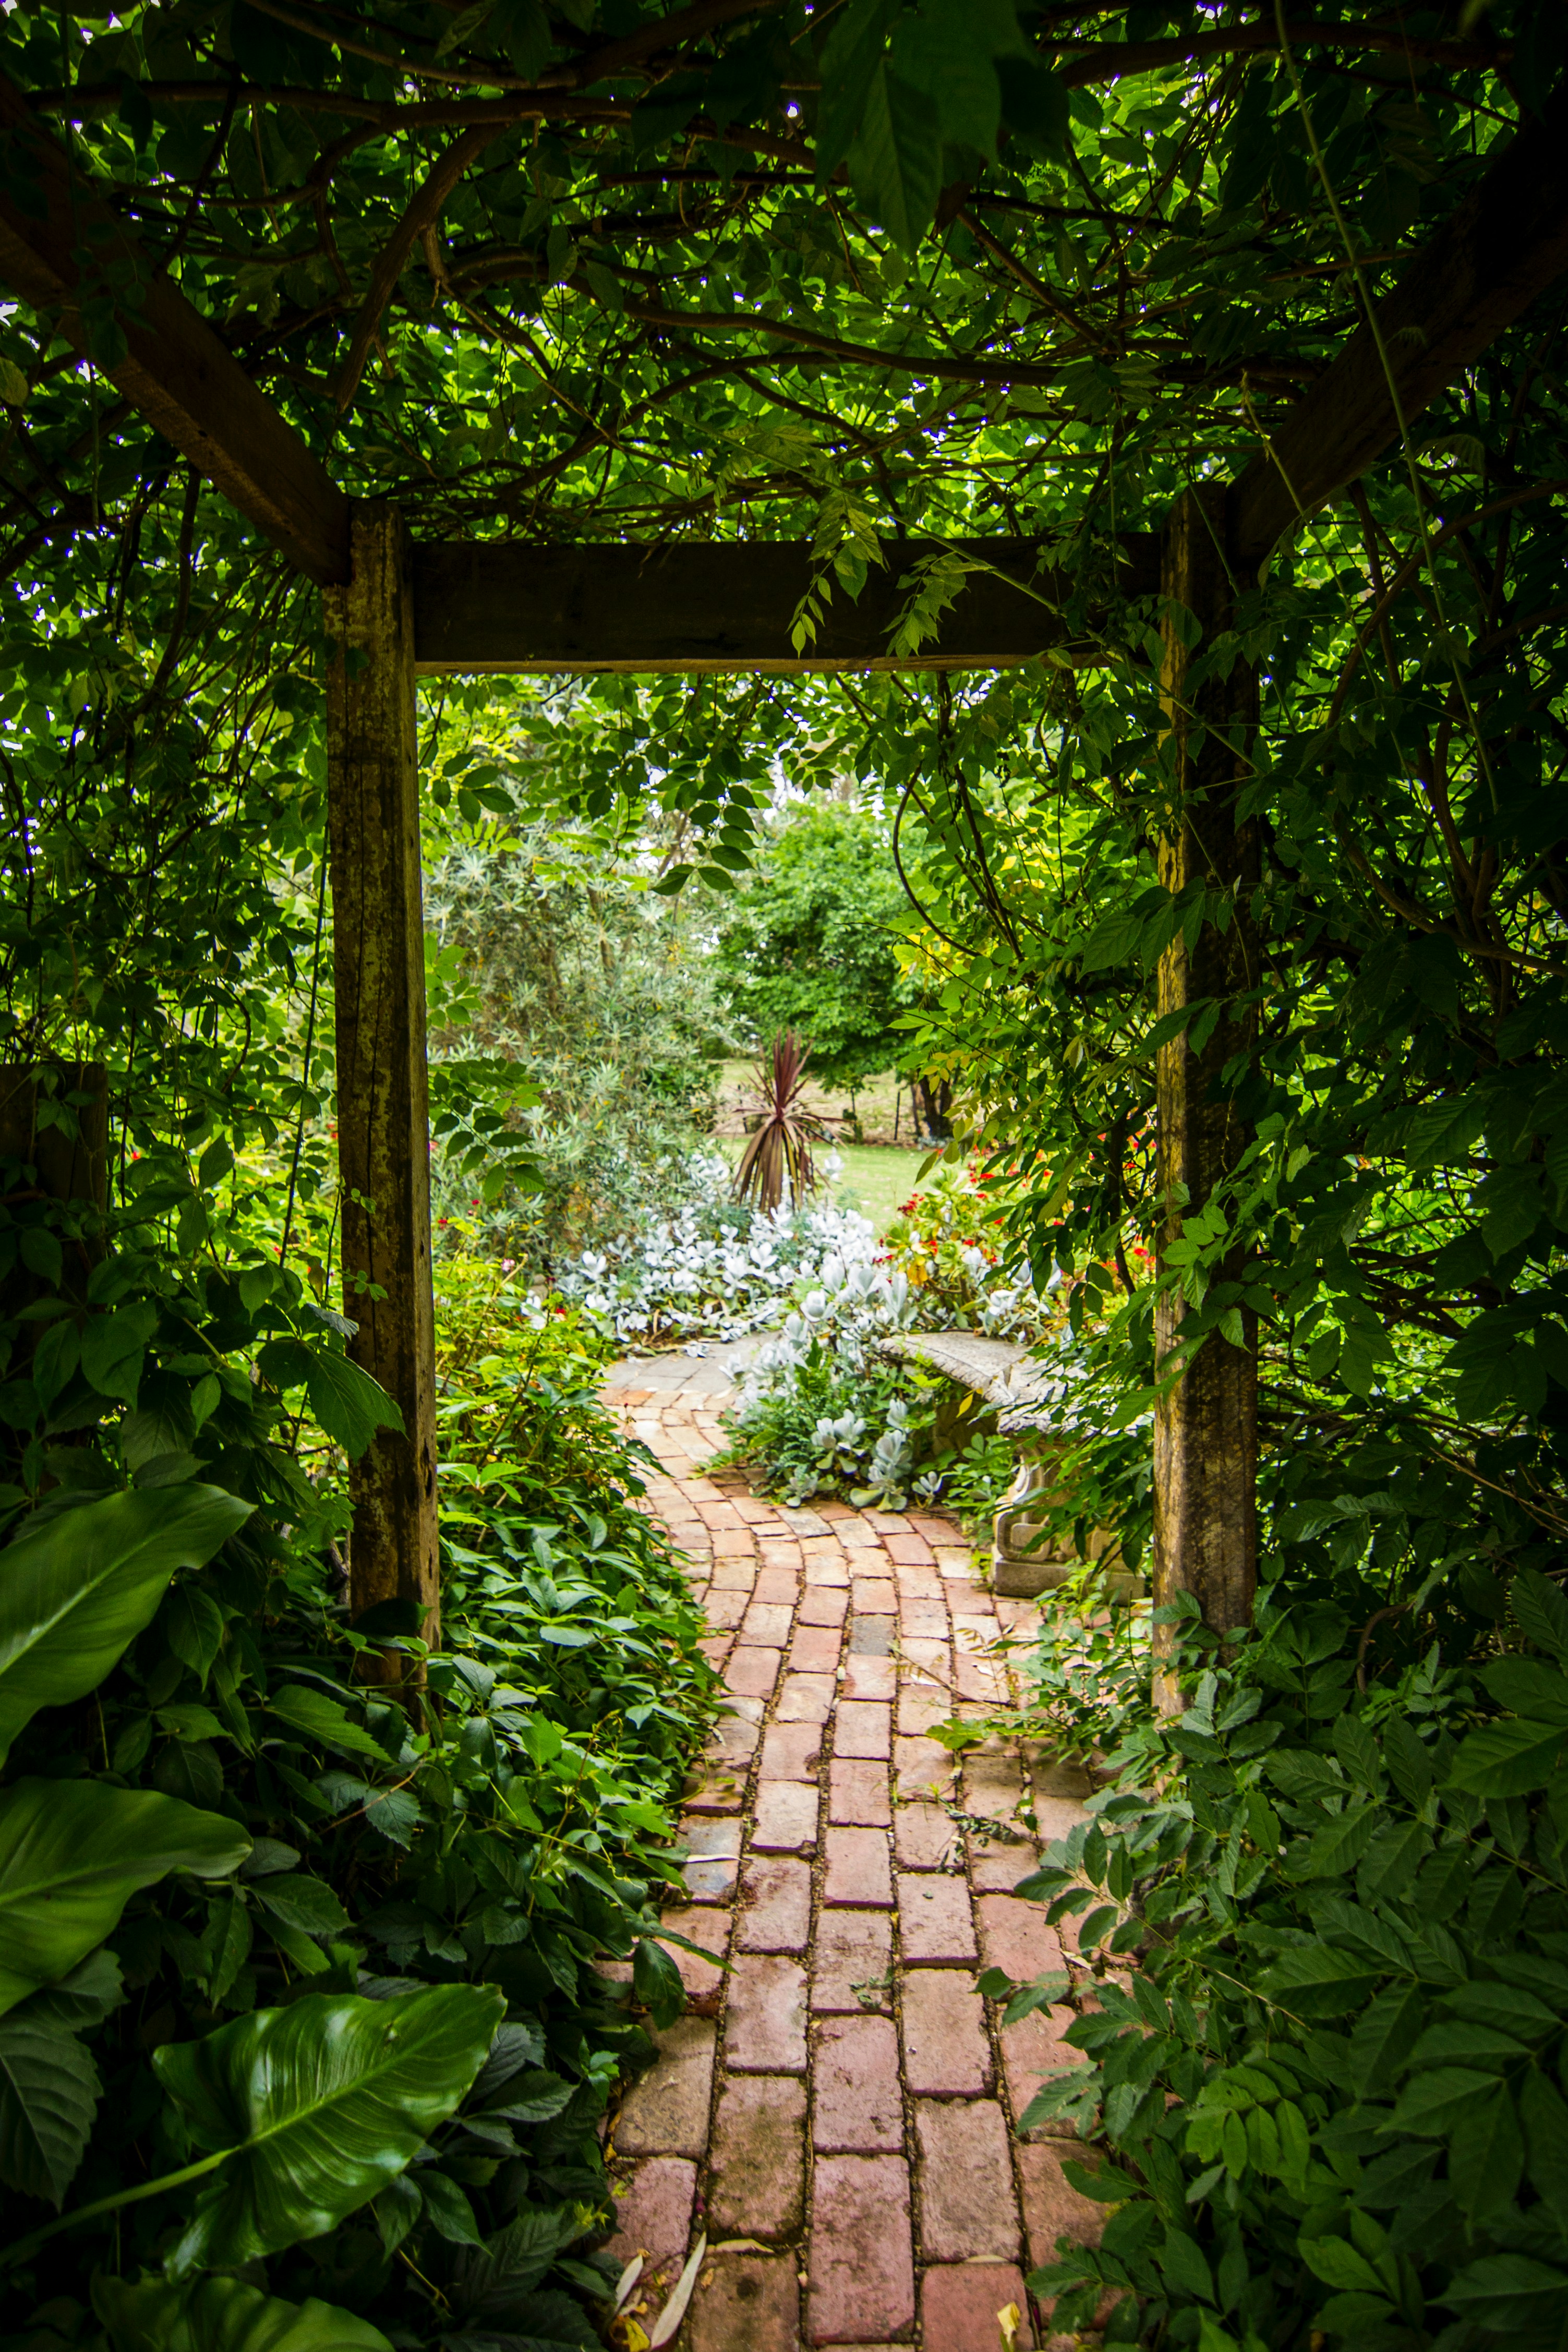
column 382, row 1106
column 1481, row 271
column 1205, row 1424
column 503, row 606
column 72, row 253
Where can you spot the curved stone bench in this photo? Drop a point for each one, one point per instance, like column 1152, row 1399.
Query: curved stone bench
column 1015, row 1391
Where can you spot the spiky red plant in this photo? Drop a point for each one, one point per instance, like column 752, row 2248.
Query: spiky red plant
column 779, row 1149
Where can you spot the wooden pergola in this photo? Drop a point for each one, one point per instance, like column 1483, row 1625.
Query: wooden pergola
column 402, row 611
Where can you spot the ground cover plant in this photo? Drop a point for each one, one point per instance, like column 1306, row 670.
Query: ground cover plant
column 852, row 276
column 214, row 1845
column 823, row 1409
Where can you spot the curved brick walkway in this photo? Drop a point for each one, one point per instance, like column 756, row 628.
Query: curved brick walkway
column 837, row 2110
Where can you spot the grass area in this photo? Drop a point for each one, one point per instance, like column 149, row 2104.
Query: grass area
column 877, row 1179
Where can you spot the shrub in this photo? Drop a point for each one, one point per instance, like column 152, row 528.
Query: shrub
column 1330, row 2085
column 706, row 1264
column 265, row 1858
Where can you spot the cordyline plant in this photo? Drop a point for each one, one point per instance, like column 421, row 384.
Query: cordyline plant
column 780, row 1148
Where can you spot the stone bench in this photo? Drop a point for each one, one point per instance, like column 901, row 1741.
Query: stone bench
column 1015, row 1396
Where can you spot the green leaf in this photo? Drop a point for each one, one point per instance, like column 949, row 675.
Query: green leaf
column 1544, row 2116
column 1529, row 1686
column 1542, row 1611
column 317, row 2106
column 349, row 1405
column 1459, row 2042
column 945, row 53
column 522, row 28
column 1034, row 102
column 192, row 1623
column 225, row 2314
column 1508, row 2007
column 1317, row 1980
column 849, row 63
column 1383, row 2037
column 895, row 162
column 113, row 1347
column 1485, row 2155
column 72, row 1854
column 322, row 1718
column 76, row 1590
column 449, row 2209
column 1112, row 942
column 1434, row 2105
column 82, row 1999
column 1353, row 2316
column 656, row 1980
column 1336, row 2261
column 1184, row 2264
column 1509, row 1760
column 302, row 1902
column 487, row 2282
column 533, row 2096
column 1335, row 1851
column 1504, row 2291
column 48, row 2097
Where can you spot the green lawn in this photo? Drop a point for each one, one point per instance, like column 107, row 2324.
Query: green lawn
column 877, row 1179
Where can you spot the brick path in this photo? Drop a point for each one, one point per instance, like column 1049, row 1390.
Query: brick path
column 836, row 2109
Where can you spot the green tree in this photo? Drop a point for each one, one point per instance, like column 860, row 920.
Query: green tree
column 812, row 943
column 597, row 993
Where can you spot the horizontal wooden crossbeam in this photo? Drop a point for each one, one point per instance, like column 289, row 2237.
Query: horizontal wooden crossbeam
column 506, row 606
column 503, row 607
column 64, row 249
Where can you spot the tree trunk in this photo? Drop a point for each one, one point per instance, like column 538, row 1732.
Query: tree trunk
column 1205, row 1429
column 383, row 1119
column 936, row 1102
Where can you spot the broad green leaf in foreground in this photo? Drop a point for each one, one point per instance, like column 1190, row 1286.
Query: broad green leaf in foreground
column 74, row 1591
column 347, row 1403
column 48, row 2097
column 223, row 2315
column 72, row 1854
column 318, row 2106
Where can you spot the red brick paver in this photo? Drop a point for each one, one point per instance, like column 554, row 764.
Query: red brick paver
column 838, row 2109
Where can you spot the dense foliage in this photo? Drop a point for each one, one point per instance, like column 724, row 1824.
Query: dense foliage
column 219, row 1845
column 571, row 982
column 1332, row 2089
column 855, row 274
column 825, row 1408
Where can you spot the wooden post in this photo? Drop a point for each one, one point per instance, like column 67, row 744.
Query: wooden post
column 383, row 1119
column 1205, row 1429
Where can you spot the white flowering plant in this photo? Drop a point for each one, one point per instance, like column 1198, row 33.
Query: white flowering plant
column 823, row 1411
column 706, row 1265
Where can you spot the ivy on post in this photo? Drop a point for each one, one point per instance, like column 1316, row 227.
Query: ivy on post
column 384, row 1123
column 1206, row 1426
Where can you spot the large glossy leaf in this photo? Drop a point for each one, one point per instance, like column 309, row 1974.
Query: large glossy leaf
column 223, row 2315
column 48, row 2097
column 72, row 1854
column 74, row 1591
column 321, row 2105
